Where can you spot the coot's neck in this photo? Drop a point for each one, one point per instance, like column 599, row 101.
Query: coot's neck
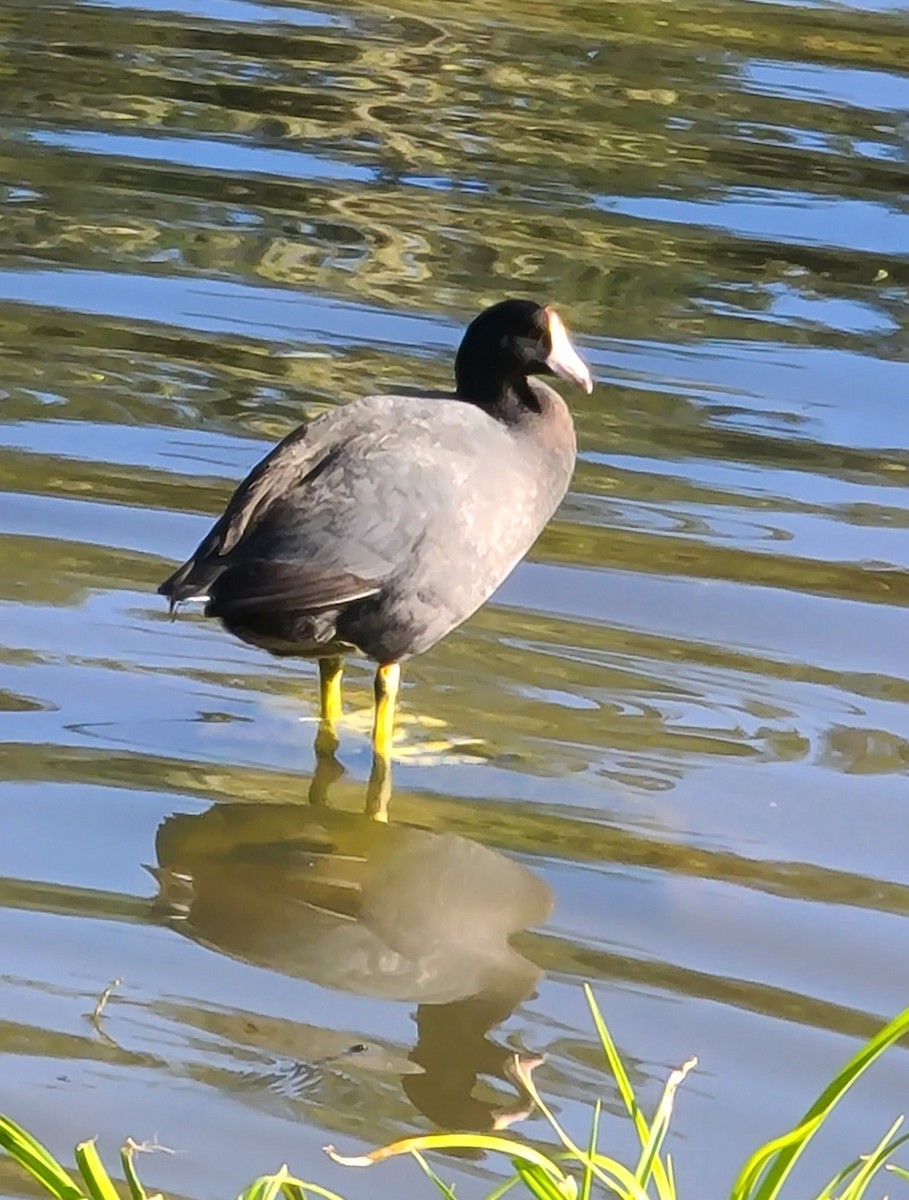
column 509, row 400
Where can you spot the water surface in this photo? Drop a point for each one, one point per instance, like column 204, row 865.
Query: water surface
column 670, row 758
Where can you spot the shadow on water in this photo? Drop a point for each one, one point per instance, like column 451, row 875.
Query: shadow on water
column 350, row 903
column 373, row 909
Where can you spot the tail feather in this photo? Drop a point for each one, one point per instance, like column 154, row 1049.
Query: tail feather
column 232, row 589
column 192, row 581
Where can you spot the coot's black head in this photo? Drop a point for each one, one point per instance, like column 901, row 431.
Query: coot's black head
column 507, row 344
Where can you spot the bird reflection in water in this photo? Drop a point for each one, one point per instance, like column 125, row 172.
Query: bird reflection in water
column 361, row 906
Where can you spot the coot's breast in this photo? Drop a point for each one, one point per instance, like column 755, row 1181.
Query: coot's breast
column 456, row 498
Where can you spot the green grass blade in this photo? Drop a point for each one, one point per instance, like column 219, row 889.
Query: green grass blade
column 296, row 1189
column 760, row 1161
column 266, row 1187
column 499, row 1192
column 452, row 1141
column 660, row 1127
column 611, row 1173
column 543, row 1186
column 664, row 1187
column 587, row 1181
column 875, row 1161
column 617, row 1177
column 901, row 1171
column 130, row 1174
column 97, row 1181
column 32, row 1157
column 626, row 1091
column 778, row 1164
column 446, row 1190
column 829, row 1192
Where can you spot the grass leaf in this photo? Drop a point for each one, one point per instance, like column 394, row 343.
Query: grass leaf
column 660, row 1127
column 133, row 1182
column 266, row 1187
column 670, row 1175
column 587, row 1181
column 611, row 1173
column 875, row 1161
column 543, row 1186
column 499, row 1192
column 452, row 1141
column 296, row 1189
column 446, row 1190
column 664, row 1186
column 759, row 1162
column 626, row 1091
column 97, row 1181
column 829, row 1192
column 34, row 1158
column 776, row 1165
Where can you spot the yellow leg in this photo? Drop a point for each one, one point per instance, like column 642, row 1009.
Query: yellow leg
column 330, row 670
column 388, row 678
column 330, row 689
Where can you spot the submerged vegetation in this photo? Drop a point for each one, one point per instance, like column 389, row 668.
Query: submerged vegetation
column 575, row 1172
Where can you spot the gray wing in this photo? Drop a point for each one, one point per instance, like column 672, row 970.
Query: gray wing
column 330, row 514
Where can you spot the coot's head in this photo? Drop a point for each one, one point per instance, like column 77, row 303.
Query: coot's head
column 507, row 344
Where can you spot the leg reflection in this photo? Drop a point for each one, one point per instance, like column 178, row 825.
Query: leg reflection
column 378, row 790
column 326, row 773
column 455, row 1051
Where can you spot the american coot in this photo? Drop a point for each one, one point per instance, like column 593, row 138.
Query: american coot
column 379, row 526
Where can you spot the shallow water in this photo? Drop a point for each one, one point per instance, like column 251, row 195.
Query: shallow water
column 673, row 750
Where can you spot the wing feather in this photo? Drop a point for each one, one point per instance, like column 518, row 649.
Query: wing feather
column 291, row 586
